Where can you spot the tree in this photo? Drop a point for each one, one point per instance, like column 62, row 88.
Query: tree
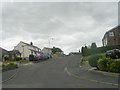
column 86, row 47
column 93, row 45
column 82, row 51
column 54, row 50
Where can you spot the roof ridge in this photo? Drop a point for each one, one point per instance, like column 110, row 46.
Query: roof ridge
column 29, row 44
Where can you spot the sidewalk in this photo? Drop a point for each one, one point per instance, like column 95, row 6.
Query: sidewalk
column 86, row 72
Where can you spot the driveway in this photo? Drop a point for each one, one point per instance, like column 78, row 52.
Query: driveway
column 52, row 74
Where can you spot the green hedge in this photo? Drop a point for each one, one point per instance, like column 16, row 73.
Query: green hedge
column 91, row 51
column 18, row 58
column 93, row 59
column 109, row 65
column 104, row 63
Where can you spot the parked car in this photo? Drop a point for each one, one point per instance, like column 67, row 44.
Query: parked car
column 114, row 54
column 41, row 57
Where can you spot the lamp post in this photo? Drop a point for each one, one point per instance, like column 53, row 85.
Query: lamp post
column 49, row 41
column 23, row 51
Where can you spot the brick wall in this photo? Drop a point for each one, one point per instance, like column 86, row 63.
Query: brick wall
column 112, row 37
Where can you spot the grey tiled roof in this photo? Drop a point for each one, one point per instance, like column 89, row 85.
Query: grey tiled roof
column 30, row 45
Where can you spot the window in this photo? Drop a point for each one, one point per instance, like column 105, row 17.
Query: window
column 111, row 34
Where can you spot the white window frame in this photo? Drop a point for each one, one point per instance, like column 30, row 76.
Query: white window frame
column 111, row 34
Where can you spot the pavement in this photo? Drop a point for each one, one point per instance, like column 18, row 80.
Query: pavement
column 87, row 72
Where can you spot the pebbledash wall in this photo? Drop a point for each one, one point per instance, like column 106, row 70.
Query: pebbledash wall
column 26, row 49
column 112, row 37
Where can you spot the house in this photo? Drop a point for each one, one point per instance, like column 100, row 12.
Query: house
column 47, row 51
column 14, row 54
column 112, row 37
column 4, row 54
column 27, row 49
column 74, row 53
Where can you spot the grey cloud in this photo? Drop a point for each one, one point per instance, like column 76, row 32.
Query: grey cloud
column 71, row 24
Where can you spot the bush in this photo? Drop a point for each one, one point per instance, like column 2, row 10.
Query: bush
column 18, row 58
column 6, row 58
column 93, row 59
column 9, row 66
column 12, row 65
column 104, row 63
column 115, row 67
column 109, row 65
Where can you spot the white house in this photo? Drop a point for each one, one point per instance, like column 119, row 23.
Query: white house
column 47, row 51
column 26, row 49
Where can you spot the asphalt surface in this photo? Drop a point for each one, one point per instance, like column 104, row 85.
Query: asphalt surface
column 52, row 74
column 0, row 77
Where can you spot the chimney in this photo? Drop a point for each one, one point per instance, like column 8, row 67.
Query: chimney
column 31, row 43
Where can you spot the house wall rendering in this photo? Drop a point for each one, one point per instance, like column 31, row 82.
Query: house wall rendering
column 26, row 49
column 47, row 51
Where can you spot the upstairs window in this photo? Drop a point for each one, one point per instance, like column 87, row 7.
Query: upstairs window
column 111, row 34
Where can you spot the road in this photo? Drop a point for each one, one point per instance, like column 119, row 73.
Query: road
column 51, row 74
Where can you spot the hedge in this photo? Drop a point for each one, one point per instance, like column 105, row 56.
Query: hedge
column 91, row 51
column 109, row 65
column 93, row 59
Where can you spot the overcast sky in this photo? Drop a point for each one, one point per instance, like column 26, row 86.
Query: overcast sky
column 70, row 24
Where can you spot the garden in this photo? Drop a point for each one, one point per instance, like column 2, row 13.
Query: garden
column 103, row 63
column 9, row 65
column 96, row 57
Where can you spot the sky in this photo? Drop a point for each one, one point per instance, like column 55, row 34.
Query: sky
column 66, row 25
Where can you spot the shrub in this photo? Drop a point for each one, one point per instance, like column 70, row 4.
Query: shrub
column 93, row 59
column 115, row 67
column 104, row 63
column 9, row 66
column 12, row 65
column 18, row 58
column 108, row 64
column 6, row 58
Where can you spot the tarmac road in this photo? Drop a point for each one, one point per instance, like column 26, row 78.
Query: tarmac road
column 52, row 74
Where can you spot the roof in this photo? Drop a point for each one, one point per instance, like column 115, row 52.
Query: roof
column 30, row 45
column 114, row 28
column 47, row 48
column 3, row 51
column 14, row 52
column 111, row 30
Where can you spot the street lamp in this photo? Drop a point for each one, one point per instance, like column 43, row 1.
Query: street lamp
column 23, row 51
column 49, row 41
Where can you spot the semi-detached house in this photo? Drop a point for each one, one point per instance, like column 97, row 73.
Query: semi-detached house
column 27, row 49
